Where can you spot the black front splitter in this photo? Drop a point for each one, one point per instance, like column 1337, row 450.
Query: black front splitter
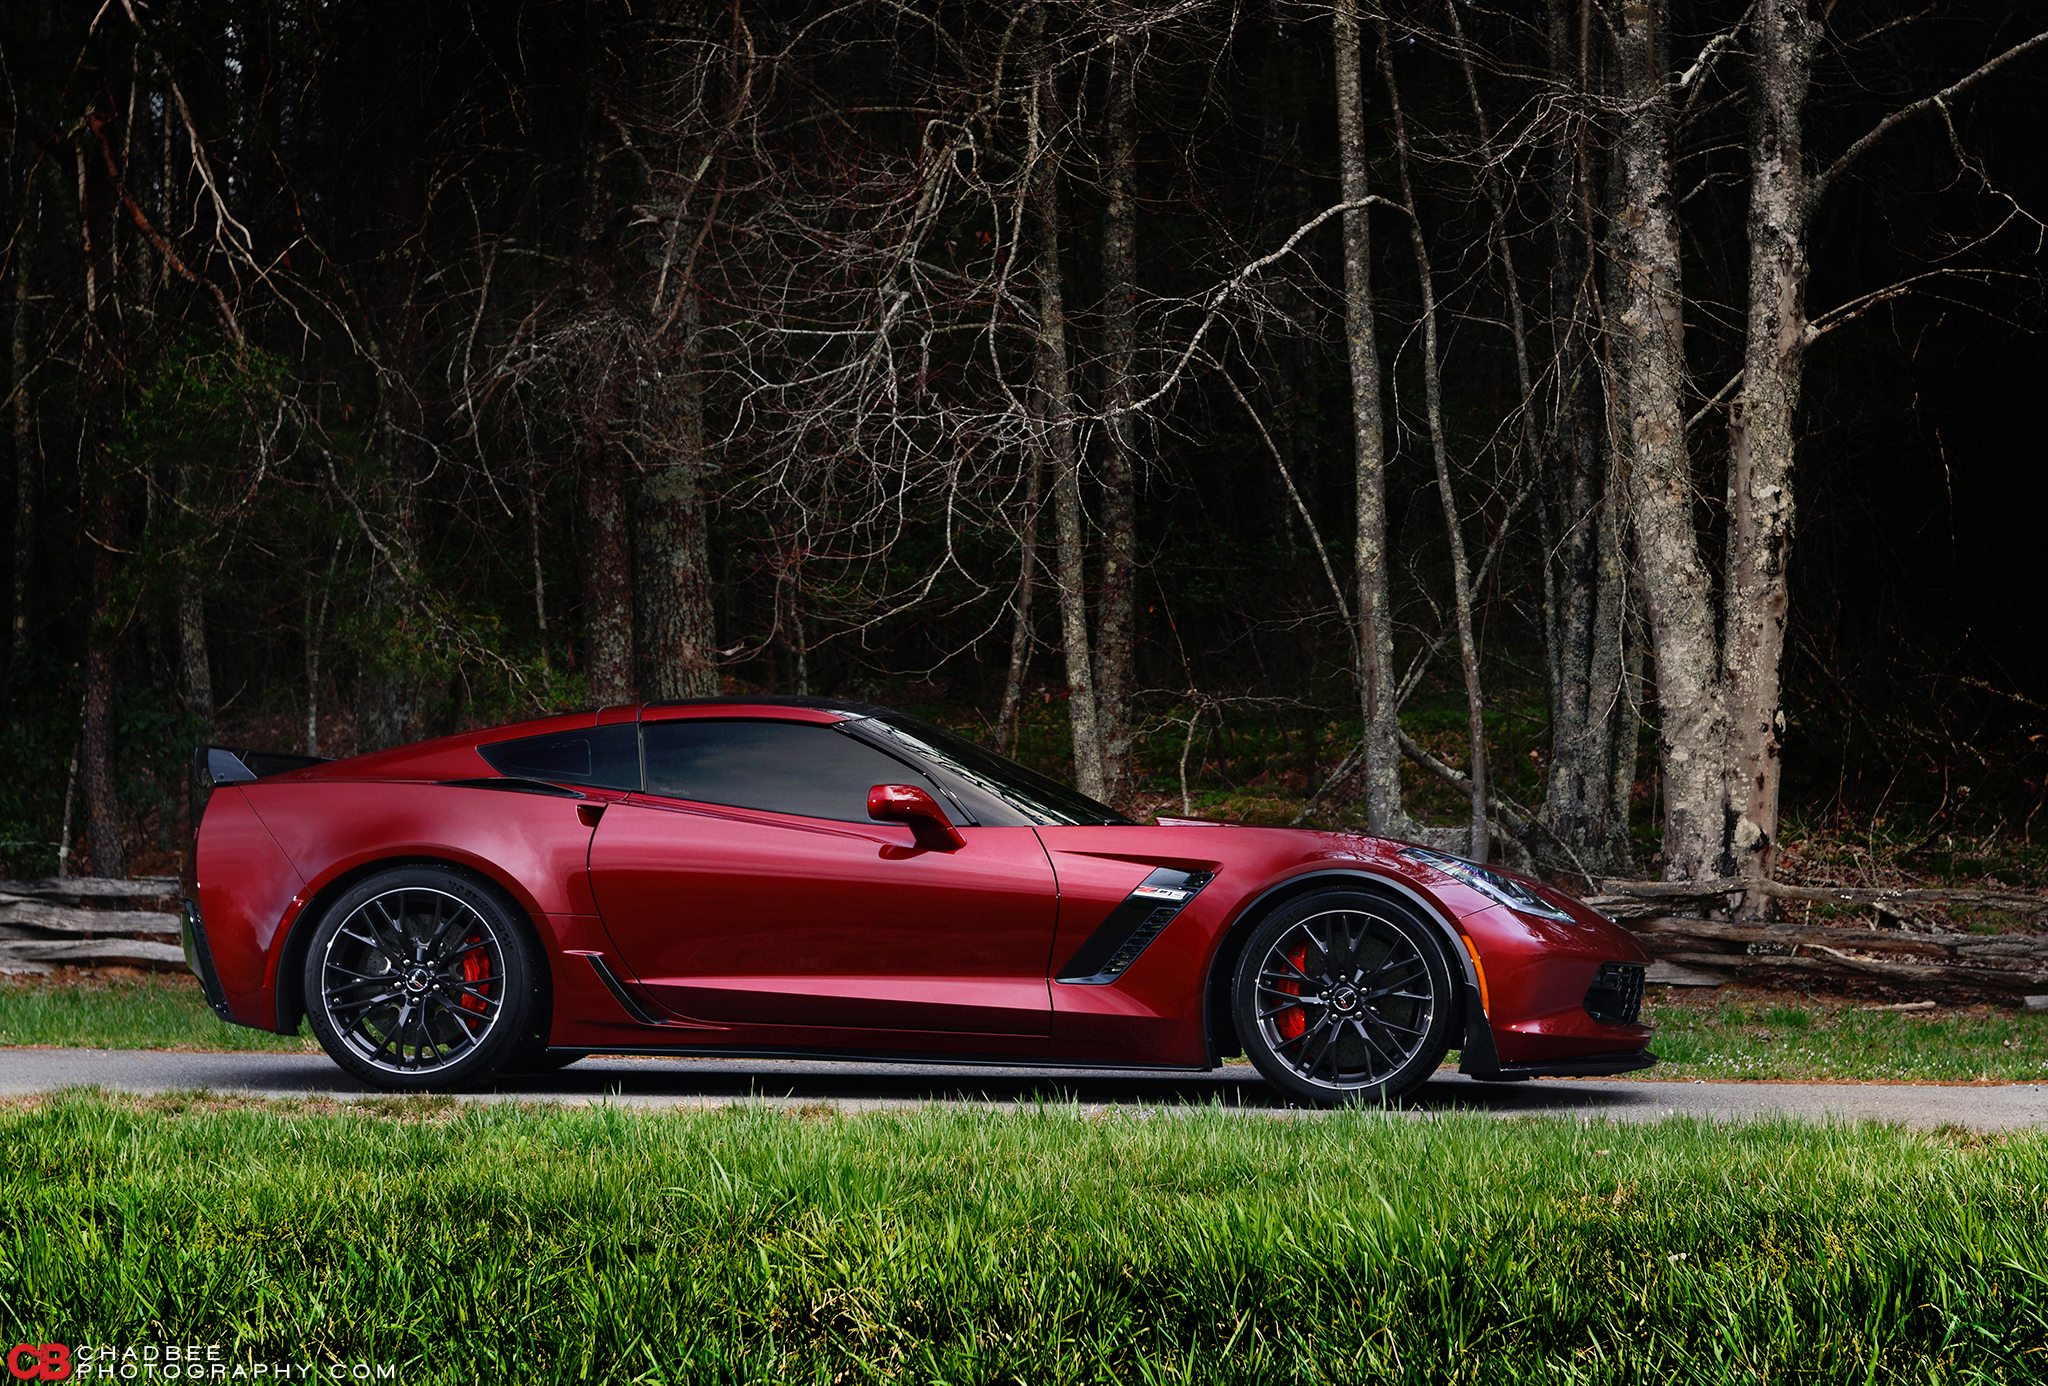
column 1586, row 1066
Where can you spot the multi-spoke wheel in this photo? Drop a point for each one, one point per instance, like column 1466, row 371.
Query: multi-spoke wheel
column 1344, row 996
column 420, row 978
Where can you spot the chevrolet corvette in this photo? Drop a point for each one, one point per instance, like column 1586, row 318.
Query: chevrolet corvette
column 783, row 877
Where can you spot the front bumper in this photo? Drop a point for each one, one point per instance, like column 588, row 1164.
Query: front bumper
column 1562, row 998
column 199, row 958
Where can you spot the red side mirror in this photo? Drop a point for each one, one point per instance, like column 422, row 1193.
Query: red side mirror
column 906, row 803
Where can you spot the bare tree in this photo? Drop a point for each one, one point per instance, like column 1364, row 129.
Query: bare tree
column 22, row 427
column 1439, row 451
column 101, row 257
column 678, row 657
column 1379, row 751
column 1116, row 617
column 1055, row 409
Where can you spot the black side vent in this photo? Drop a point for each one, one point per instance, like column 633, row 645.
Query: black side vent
column 1616, row 996
column 619, row 993
column 1142, row 917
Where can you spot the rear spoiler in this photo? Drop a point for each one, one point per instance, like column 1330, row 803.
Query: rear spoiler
column 218, row 765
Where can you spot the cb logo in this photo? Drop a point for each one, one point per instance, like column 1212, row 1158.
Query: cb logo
column 39, row 1362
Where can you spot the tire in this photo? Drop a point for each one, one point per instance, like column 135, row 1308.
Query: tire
column 421, row 979
column 1376, row 1006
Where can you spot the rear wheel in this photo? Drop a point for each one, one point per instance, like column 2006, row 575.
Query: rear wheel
column 1344, row 996
column 420, row 978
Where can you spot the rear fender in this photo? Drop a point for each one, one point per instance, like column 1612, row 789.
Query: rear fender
column 248, row 890
column 533, row 849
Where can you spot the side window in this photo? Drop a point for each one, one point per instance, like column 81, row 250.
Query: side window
column 602, row 757
column 782, row 767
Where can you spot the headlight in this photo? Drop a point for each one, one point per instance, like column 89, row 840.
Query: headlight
column 1490, row 883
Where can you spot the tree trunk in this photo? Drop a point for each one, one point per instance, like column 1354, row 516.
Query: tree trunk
column 101, row 367
column 678, row 654
column 607, row 537
column 1586, row 572
column 194, row 665
column 96, row 741
column 1677, row 589
column 1380, row 747
column 536, row 503
column 23, row 428
column 1762, row 437
column 388, row 687
column 1056, row 430
column 313, row 620
column 1027, row 582
column 1116, row 616
column 1433, row 403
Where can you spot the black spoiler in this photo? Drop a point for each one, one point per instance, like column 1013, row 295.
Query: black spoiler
column 217, row 765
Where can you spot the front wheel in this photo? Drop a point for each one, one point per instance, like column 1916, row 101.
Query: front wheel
column 419, row 978
column 1344, row 996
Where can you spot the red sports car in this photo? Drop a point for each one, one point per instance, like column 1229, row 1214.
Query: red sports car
column 803, row 877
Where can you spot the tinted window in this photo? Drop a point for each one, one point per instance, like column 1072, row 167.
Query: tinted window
column 783, row 767
column 996, row 790
column 606, row 757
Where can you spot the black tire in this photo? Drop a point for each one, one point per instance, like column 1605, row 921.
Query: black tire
column 421, row 979
column 1376, row 1001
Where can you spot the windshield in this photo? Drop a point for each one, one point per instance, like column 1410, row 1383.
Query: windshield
column 995, row 789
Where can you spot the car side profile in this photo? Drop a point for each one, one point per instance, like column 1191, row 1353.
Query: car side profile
column 767, row 877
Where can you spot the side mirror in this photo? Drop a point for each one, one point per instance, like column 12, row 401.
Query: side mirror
column 906, row 803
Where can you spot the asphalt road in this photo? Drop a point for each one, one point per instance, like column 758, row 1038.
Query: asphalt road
column 689, row 1083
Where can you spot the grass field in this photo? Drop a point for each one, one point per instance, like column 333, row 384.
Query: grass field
column 1706, row 1036
column 1714, row 1037
column 147, row 1012
column 460, row 1244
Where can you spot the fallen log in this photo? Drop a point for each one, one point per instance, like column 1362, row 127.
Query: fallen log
column 144, row 891
column 1670, row 974
column 1619, row 899
column 89, row 922
column 95, row 952
column 2011, row 966
column 65, row 922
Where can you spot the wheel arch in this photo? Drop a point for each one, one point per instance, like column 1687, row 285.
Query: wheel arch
column 291, row 998
column 1220, row 1029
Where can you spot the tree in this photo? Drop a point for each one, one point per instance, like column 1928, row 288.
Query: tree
column 1116, row 609
column 1379, row 751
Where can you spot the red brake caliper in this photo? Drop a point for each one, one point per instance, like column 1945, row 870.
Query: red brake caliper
column 1292, row 1021
column 475, row 969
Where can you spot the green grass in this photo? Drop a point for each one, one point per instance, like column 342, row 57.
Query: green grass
column 1766, row 1038
column 466, row 1244
column 147, row 1012
column 1710, row 1038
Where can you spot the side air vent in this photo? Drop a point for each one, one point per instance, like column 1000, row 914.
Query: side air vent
column 1616, row 996
column 619, row 993
column 1132, row 925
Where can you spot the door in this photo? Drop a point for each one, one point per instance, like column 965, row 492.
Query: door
column 747, row 886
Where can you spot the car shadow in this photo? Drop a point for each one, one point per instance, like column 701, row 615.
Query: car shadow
column 1236, row 1086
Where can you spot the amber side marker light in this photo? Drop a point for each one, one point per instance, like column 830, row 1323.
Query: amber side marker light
column 1485, row 1004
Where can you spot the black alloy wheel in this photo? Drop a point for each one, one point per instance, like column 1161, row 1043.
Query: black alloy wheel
column 420, row 978
column 1344, row 996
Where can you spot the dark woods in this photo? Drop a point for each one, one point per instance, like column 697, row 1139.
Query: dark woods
column 1528, row 427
